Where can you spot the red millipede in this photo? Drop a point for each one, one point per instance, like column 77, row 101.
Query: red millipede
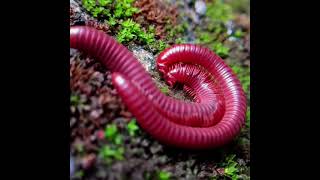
column 213, row 119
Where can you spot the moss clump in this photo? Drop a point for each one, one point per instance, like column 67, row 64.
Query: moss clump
column 243, row 74
column 118, row 15
column 215, row 32
column 112, row 10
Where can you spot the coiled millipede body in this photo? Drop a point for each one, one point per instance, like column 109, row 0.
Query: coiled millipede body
column 213, row 119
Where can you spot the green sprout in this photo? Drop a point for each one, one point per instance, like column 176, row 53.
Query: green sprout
column 75, row 100
column 218, row 14
column 180, row 41
column 79, row 147
column 119, row 17
column 238, row 33
column 164, row 175
column 220, row 49
column 132, row 127
column 114, row 13
column 162, row 45
column 164, row 89
column 131, row 30
column 118, row 139
column 219, row 11
column 111, row 131
column 97, row 8
column 79, row 174
column 231, row 167
column 110, row 153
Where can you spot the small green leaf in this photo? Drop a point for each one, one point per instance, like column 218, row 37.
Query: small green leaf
column 118, row 12
column 97, row 11
column 164, row 89
column 106, row 12
column 151, row 29
column 180, row 41
column 119, row 153
column 107, row 152
column 147, row 37
column 220, row 49
column 88, row 4
column 111, row 131
column 120, row 39
column 163, row 175
column 79, row 147
column 118, row 139
column 132, row 127
column 162, row 45
column 219, row 11
column 230, row 170
column 130, row 11
column 74, row 100
column 79, row 174
column 112, row 21
column 238, row 33
column 104, row 2
column 147, row 176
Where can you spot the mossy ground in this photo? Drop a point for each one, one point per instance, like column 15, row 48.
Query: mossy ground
column 106, row 144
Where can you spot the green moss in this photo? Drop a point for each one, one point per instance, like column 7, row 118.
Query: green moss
column 124, row 8
column 98, row 8
column 112, row 21
column 118, row 15
column 218, row 14
column 132, row 127
column 164, row 89
column 158, row 46
column 243, row 73
column 75, row 100
column 180, row 41
column 205, row 37
column 147, row 176
column 238, row 33
column 148, row 37
column 164, row 175
column 79, row 174
column 79, row 147
column 114, row 150
column 129, row 31
column 161, row 45
column 132, row 31
column 118, row 139
column 240, row 6
column 231, row 167
column 174, row 33
column 220, row 49
column 111, row 131
column 109, row 153
column 108, row 9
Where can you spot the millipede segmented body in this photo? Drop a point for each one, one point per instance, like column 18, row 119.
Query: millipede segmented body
column 213, row 119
